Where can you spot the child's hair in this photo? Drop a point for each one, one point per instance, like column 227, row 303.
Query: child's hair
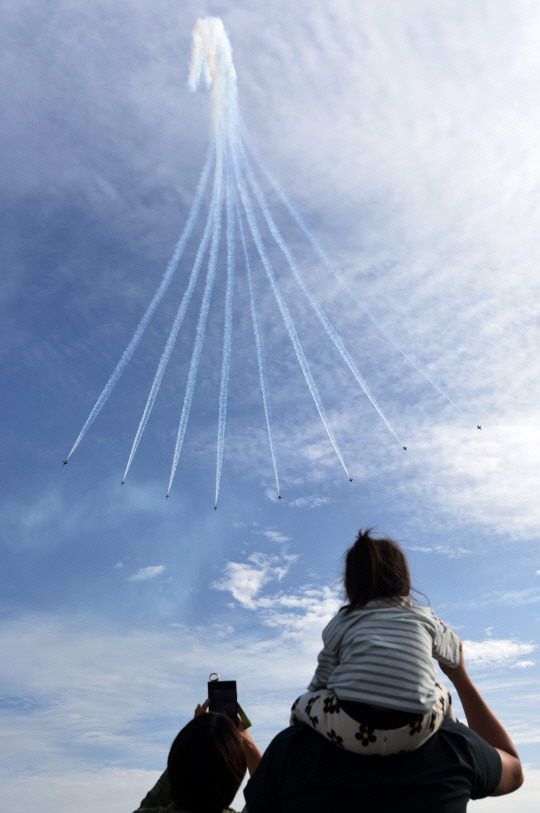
column 375, row 568
column 206, row 764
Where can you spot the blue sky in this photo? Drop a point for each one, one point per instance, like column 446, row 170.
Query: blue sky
column 406, row 135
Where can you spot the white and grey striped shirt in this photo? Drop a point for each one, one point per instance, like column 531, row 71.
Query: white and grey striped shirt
column 383, row 654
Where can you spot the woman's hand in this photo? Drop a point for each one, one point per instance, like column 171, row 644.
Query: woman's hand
column 201, row 709
column 253, row 755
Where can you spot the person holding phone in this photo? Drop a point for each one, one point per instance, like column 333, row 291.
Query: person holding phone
column 206, row 765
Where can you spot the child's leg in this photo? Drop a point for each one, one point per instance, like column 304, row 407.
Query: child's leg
column 321, row 710
column 443, row 699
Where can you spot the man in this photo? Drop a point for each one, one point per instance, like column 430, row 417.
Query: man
column 301, row 772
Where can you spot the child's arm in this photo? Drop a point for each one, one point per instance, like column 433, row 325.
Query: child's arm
column 446, row 644
column 327, row 658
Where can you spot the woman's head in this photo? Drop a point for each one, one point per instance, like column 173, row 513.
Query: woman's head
column 206, row 764
column 375, row 568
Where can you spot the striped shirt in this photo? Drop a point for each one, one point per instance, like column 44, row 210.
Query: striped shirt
column 382, row 653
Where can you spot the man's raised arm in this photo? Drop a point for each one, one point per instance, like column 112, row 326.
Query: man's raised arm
column 481, row 719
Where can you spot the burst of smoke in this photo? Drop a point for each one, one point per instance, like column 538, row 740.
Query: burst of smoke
column 235, row 191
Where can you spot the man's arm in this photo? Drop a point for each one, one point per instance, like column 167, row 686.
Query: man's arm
column 481, row 719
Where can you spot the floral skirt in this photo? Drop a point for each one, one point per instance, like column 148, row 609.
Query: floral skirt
column 322, row 711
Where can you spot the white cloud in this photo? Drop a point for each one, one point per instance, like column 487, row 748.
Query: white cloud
column 493, row 479
column 147, row 573
column 277, row 536
column 312, row 501
column 114, row 789
column 498, row 652
column 516, row 598
column 444, row 550
column 246, row 579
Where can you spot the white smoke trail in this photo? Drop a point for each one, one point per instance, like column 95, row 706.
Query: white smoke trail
column 211, row 56
column 171, row 341
column 333, row 270
column 227, row 338
column 300, row 355
column 260, row 354
column 203, row 314
column 212, row 60
column 328, row 326
column 158, row 296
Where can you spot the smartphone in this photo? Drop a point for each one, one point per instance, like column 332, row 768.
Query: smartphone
column 222, row 696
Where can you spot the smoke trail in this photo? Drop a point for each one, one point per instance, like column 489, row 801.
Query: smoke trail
column 328, row 326
column 260, row 353
column 211, row 55
column 203, row 314
column 164, row 284
column 284, row 311
column 171, row 341
column 333, row 270
column 227, row 338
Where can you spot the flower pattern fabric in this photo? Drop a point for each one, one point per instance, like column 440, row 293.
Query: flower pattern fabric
column 323, row 713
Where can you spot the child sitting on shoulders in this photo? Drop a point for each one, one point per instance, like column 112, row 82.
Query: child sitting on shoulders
column 374, row 690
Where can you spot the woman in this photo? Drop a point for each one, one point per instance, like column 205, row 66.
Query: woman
column 205, row 768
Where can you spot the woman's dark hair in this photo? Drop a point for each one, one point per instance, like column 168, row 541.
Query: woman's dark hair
column 206, row 764
column 375, row 568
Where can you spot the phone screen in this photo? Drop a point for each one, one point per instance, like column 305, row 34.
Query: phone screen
column 222, row 696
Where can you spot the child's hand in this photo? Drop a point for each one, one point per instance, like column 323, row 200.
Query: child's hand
column 454, row 672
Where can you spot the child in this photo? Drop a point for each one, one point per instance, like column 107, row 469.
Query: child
column 374, row 690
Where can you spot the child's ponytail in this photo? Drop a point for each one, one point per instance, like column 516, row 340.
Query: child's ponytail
column 375, row 568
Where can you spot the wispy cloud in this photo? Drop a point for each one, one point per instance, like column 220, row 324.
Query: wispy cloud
column 277, row 536
column 529, row 595
column 443, row 550
column 147, row 573
column 310, row 501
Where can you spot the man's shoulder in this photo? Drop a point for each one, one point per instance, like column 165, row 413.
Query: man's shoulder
column 454, row 730
column 290, row 735
column 453, row 737
column 465, row 739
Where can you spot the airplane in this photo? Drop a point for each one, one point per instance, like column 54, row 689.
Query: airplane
column 478, row 427
column 123, row 483
column 350, row 479
column 279, row 496
column 166, row 496
column 215, row 507
column 64, row 462
column 404, row 448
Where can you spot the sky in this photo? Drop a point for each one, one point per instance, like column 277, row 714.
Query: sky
column 406, row 137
